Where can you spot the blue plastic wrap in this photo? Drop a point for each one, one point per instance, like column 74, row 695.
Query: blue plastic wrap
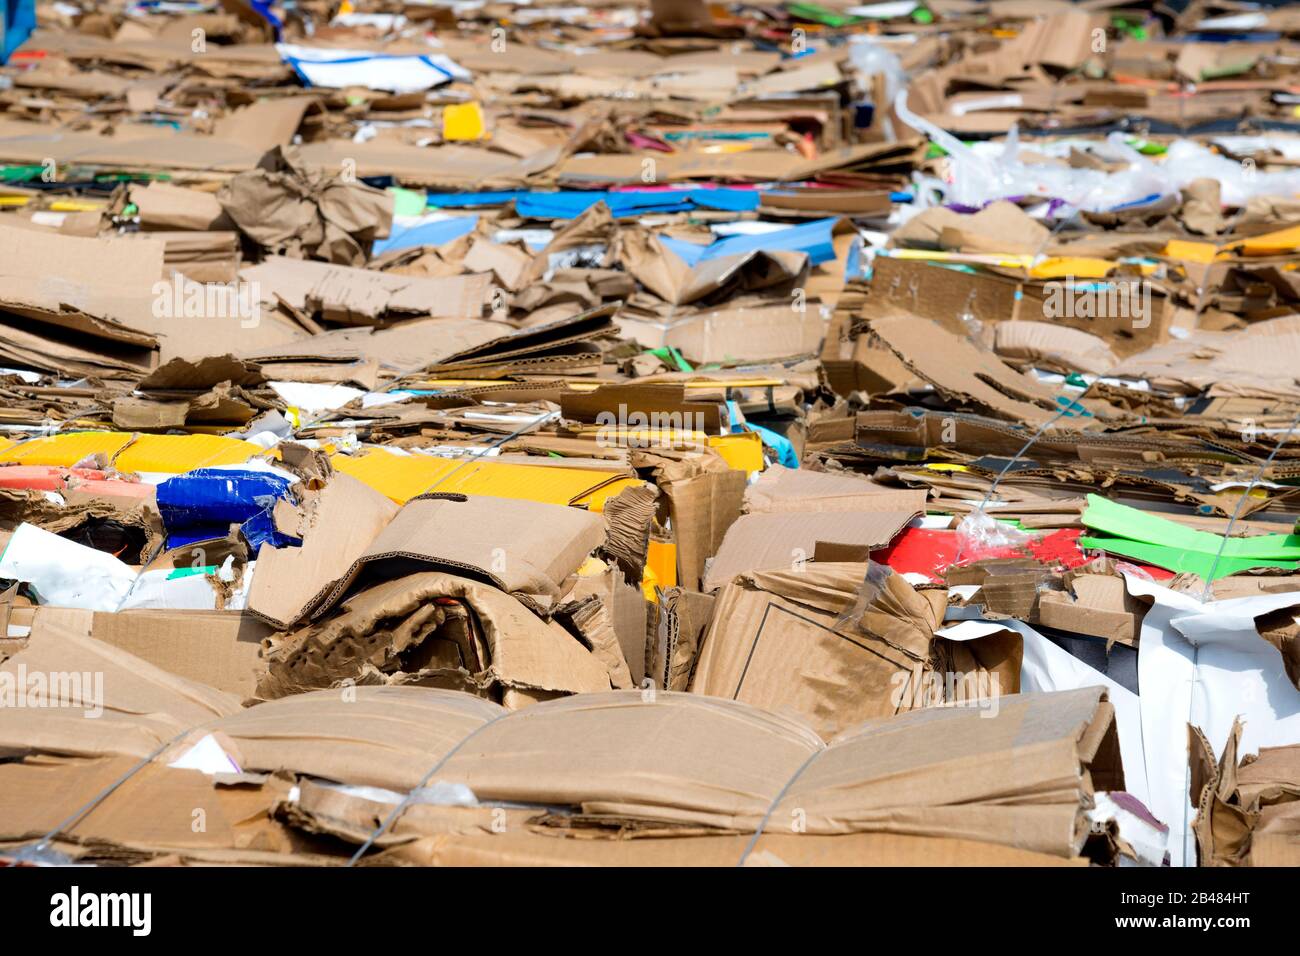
column 179, row 539
column 204, row 503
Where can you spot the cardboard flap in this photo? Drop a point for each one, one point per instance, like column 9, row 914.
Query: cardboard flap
column 700, row 760
column 523, row 547
column 382, row 737
column 69, row 676
column 341, row 522
column 768, row 542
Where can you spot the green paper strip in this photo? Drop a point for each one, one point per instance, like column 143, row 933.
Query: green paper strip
column 1173, row 559
column 817, row 14
column 407, row 202
column 1180, row 548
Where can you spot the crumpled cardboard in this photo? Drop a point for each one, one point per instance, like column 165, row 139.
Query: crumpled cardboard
column 437, row 629
column 336, row 525
column 525, row 548
column 1246, row 812
column 338, row 295
column 777, row 642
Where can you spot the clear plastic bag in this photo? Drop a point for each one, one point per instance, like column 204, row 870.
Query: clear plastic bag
column 991, row 172
column 867, row 594
column 869, row 58
column 979, row 532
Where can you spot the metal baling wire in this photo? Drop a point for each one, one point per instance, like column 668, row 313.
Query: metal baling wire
column 95, row 801
column 108, row 791
column 406, row 800
column 80, row 813
column 1200, row 305
column 1072, row 403
column 90, row 805
column 536, row 423
column 1205, row 596
column 1236, row 512
column 1041, row 429
column 1038, row 433
column 1295, row 422
column 776, row 802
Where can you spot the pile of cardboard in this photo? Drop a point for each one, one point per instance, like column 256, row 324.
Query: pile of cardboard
column 650, row 433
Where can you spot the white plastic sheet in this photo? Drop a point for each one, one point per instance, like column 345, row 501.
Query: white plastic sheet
column 338, row 69
column 65, row 573
column 1205, row 664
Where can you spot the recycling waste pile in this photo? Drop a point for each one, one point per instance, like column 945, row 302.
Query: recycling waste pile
column 650, row 433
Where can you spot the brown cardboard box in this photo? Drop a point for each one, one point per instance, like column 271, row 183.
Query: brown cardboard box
column 222, row 649
column 776, row 642
column 787, row 540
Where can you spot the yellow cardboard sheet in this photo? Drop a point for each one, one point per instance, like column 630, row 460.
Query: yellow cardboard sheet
column 402, row 477
column 741, row 452
column 172, row 454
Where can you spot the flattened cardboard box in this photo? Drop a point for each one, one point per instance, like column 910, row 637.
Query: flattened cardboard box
column 1022, row 775
column 775, row 642
column 663, row 405
column 382, row 737
column 518, row 847
column 681, row 758
column 944, row 295
column 778, row 541
column 754, row 333
column 340, row 523
column 962, row 372
column 139, row 706
column 222, row 649
column 151, row 812
column 523, row 547
column 781, row 489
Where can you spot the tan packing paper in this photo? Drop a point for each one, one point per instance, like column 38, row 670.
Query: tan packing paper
column 305, row 212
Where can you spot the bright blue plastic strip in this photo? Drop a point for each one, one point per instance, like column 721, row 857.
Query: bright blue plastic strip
column 427, row 234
